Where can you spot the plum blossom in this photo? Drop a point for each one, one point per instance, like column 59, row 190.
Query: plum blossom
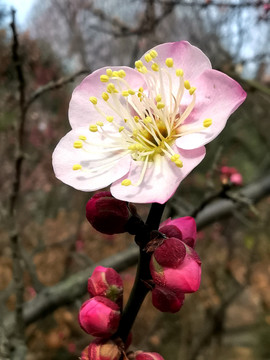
column 143, row 130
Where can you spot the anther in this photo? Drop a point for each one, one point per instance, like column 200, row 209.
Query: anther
column 109, row 118
column 179, row 72
column 76, row 167
column 105, row 96
column 78, row 144
column 136, row 118
column 155, row 67
column 153, row 53
column 138, row 64
column 207, row 123
column 125, row 93
column 141, row 89
column 147, row 120
column 131, row 92
column 169, row 62
column 179, row 163
column 121, row 73
column 99, row 123
column 104, row 78
column 93, row 100
column 109, row 72
column 192, row 90
column 158, row 98
column 126, row 182
column 160, row 105
column 93, row 128
column 82, row 137
column 121, row 128
column 147, row 57
column 187, row 84
column 115, row 74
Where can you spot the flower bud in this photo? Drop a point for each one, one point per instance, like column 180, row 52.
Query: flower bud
column 184, row 277
column 99, row 316
column 107, row 214
column 167, row 300
column 141, row 355
column 106, row 282
column 236, row 179
column 103, row 349
column 185, row 225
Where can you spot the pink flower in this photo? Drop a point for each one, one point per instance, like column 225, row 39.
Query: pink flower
column 236, row 179
column 230, row 175
column 144, row 129
column 99, row 316
column 106, row 282
column 141, row 355
column 102, row 349
column 167, row 300
column 107, row 214
column 183, row 228
column 176, row 266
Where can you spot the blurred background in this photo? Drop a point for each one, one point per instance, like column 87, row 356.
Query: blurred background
column 46, row 246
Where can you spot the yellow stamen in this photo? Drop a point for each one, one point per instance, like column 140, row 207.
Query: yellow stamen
column 179, row 163
column 155, row 67
column 109, row 72
column 169, row 62
column 179, row 72
column 141, row 89
column 187, row 84
column 147, row 120
column 82, row 137
column 153, row 53
column 99, row 123
column 131, row 92
column 138, row 64
column 136, row 118
column 93, row 100
column 78, row 144
column 207, row 123
column 109, row 118
column 147, row 57
column 175, row 157
column 121, row 73
column 105, row 96
column 93, row 128
column 104, row 78
column 115, row 74
column 126, row 182
column 121, row 128
column 192, row 90
column 158, row 98
column 160, row 105
column 77, row 167
column 125, row 93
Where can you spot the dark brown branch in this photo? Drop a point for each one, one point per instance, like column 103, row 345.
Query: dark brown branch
column 69, row 290
column 14, row 236
column 52, row 85
column 205, row 4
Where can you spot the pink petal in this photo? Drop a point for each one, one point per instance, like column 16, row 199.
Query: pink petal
column 187, row 226
column 185, row 56
column 217, row 97
column 65, row 156
column 161, row 178
column 82, row 112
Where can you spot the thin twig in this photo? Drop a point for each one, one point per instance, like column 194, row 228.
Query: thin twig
column 52, row 85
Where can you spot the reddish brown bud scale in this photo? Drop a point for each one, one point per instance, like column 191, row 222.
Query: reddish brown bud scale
column 167, row 300
column 170, row 253
column 107, row 214
column 171, row 231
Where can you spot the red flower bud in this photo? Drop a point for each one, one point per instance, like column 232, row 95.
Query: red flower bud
column 170, row 253
column 167, row 300
column 185, row 277
column 236, row 179
column 106, row 282
column 99, row 316
column 102, row 349
column 107, row 214
column 141, row 355
column 185, row 225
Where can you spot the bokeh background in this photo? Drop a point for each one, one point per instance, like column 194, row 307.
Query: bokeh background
column 63, row 40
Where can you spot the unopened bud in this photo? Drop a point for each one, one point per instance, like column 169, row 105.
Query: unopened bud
column 99, row 316
column 107, row 214
column 167, row 300
column 141, row 355
column 106, row 282
column 185, row 225
column 185, row 277
column 103, row 349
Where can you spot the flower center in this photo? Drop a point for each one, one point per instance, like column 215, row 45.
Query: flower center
column 151, row 119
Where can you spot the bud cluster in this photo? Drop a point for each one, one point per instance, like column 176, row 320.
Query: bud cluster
column 175, row 266
column 230, row 176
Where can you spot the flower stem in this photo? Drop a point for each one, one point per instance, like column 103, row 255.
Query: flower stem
column 140, row 288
